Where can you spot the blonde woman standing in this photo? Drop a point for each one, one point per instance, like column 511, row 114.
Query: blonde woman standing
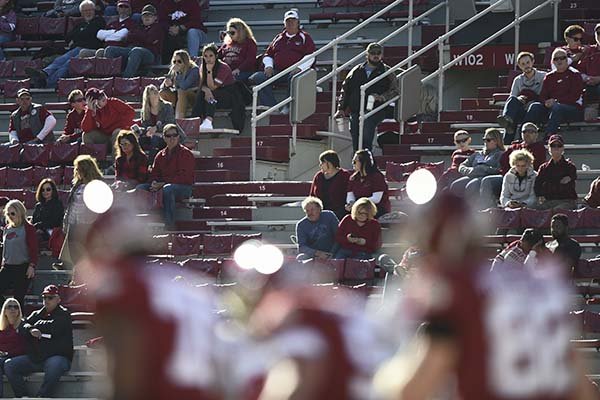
column 181, row 83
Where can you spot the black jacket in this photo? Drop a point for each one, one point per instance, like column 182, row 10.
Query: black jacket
column 60, row 330
column 84, row 34
column 349, row 99
column 48, row 215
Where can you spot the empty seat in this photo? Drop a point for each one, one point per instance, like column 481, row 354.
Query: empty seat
column 68, row 176
column 359, row 270
column 184, row 245
column 54, row 173
column 399, row 172
column 79, row 67
column 156, row 81
column 126, row 86
column 10, row 155
column 538, row 219
column 504, row 219
column 28, row 28
column 107, row 66
column 590, row 218
column 218, row 244
column 20, row 66
column 6, row 68
column 67, row 85
column 19, row 178
column 105, row 84
column 53, row 26
column 11, row 87
column 205, row 266
column 191, row 126
column 331, row 270
column 35, row 154
column 64, row 153
column 98, row 151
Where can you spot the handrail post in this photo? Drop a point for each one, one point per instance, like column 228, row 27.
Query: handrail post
column 517, row 30
column 556, row 2
column 253, row 144
column 294, row 136
column 447, row 16
column 333, row 87
column 361, row 120
column 410, row 28
column 440, row 77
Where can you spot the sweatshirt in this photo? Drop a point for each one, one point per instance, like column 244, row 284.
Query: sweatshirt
column 116, row 114
column 150, row 37
column 240, row 56
column 481, row 163
column 319, row 235
column 521, row 190
column 530, row 88
column 184, row 12
column 176, row 166
column 286, row 50
column 565, row 87
column 57, row 330
column 537, row 149
column 548, row 183
column 371, row 232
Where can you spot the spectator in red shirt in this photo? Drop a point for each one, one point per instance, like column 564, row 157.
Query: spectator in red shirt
column 116, row 33
column 11, row 342
column 589, row 66
column 72, row 131
column 144, row 44
column 555, row 183
column 217, row 89
column 131, row 164
column 462, row 140
column 575, row 51
column 31, row 122
column 561, row 99
column 182, row 19
column 239, row 49
column 105, row 118
column 359, row 234
column 172, row 172
column 367, row 181
column 330, row 184
column 286, row 49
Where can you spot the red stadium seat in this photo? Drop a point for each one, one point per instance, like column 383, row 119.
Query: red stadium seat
column 359, row 270
column 574, row 216
column 146, row 80
column 398, row 172
column 19, row 178
column 538, row 219
column 68, row 175
column 54, row 173
column 210, row 267
column 105, row 84
column 27, row 28
column 3, row 177
column 6, row 68
column 504, row 219
column 10, row 155
column 239, row 238
column 64, row 153
column 98, row 151
column 20, row 66
column 590, row 218
column 29, row 199
column 108, row 66
column 160, row 244
column 67, row 85
column 191, row 126
column 53, row 26
column 331, row 270
column 79, row 67
column 11, row 87
column 183, row 245
column 217, row 244
column 35, row 154
column 126, row 86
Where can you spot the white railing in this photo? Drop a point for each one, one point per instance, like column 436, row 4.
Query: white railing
column 333, row 74
column 441, row 42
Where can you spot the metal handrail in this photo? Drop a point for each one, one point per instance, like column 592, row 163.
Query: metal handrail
column 274, row 78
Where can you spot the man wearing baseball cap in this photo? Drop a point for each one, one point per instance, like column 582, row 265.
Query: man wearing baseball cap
column 349, row 100
column 589, row 66
column 145, row 44
column 49, row 349
column 286, row 49
column 31, row 122
column 555, row 183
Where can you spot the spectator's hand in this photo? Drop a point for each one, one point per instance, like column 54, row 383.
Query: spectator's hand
column 513, row 204
column 168, row 82
column 156, row 186
column 174, row 30
column 36, row 333
column 30, row 272
column 349, row 207
column 468, row 170
column 235, row 72
column 522, row 99
column 577, row 57
column 378, row 98
column 350, row 238
column 208, row 94
column 360, row 241
column 549, row 103
column 565, row 180
column 14, row 141
column 541, row 199
column 151, row 131
column 593, row 80
column 269, row 71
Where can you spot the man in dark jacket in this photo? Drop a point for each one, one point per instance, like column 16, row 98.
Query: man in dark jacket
column 50, row 346
column 83, row 36
column 349, row 100
column 566, row 249
column 555, row 183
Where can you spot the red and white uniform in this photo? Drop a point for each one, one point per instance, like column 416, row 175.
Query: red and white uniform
column 511, row 328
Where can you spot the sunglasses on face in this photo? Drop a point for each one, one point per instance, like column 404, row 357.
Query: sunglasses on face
column 487, row 140
column 12, row 214
column 47, row 189
column 530, row 131
column 172, row 135
column 25, row 98
column 560, row 58
column 12, row 307
column 362, row 213
column 123, row 144
column 48, row 297
column 178, row 61
column 576, row 38
column 460, row 141
column 556, row 146
column 231, row 33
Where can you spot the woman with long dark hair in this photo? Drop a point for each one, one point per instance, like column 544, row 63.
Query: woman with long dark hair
column 367, row 181
column 49, row 210
column 217, row 89
column 131, row 163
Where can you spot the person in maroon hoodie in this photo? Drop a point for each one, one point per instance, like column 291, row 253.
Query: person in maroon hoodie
column 115, row 33
column 172, row 172
column 12, row 343
column 239, row 49
column 589, row 66
column 330, row 184
column 359, row 234
column 182, row 19
column 462, row 140
column 104, row 118
column 286, row 49
column 555, row 183
column 145, row 44
column 561, row 99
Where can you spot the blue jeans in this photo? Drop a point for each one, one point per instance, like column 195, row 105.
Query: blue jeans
column 556, row 115
column 134, row 57
column 2, row 359
column 171, row 193
column 60, row 67
column 243, row 76
column 370, row 126
column 53, row 367
column 514, row 109
column 467, row 187
column 343, row 253
column 195, row 39
column 265, row 95
column 4, row 39
column 491, row 186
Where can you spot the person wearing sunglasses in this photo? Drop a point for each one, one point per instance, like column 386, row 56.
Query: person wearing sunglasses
column 49, row 210
column 561, row 98
column 12, row 342
column 479, row 165
column 49, row 332
column 589, row 66
column 525, row 89
column 172, row 172
column 574, row 47
column 72, row 130
column 181, row 83
column 359, row 234
column 462, row 140
column 555, row 184
column 31, row 122
column 20, row 251
column 239, row 49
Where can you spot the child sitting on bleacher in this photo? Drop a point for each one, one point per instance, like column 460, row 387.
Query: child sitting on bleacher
column 462, row 140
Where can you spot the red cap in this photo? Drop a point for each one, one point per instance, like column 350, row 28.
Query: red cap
column 51, row 290
column 556, row 138
column 94, row 93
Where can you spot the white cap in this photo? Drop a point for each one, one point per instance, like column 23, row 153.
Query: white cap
column 290, row 14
